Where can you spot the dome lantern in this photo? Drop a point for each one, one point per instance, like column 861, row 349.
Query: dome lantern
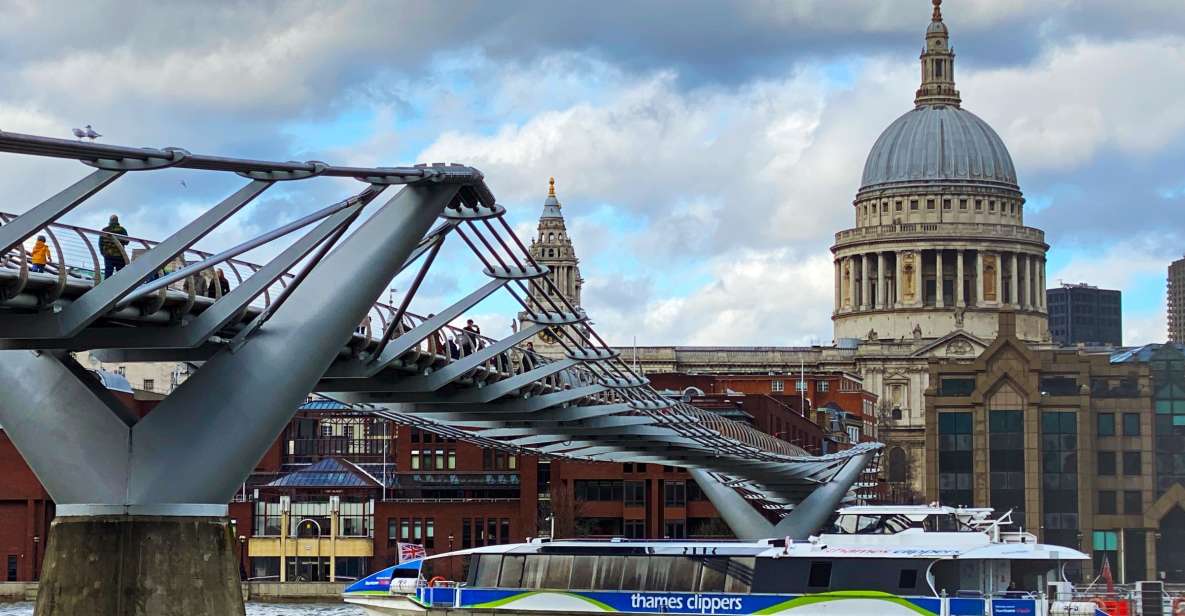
column 938, row 65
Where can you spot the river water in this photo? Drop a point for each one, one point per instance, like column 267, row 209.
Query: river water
column 253, row 609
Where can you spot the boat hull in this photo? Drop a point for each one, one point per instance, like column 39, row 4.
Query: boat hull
column 542, row 603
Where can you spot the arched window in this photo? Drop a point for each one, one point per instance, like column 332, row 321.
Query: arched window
column 550, row 237
column 896, row 413
column 898, row 465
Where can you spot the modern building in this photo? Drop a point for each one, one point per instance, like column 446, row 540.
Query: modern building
column 1166, row 513
column 1082, row 314
column 1176, row 301
column 1064, row 439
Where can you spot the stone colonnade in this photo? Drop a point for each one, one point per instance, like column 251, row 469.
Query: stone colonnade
column 884, row 280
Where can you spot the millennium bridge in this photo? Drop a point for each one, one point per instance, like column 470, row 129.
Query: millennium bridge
column 141, row 523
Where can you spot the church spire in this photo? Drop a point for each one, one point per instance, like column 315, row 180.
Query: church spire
column 551, row 205
column 938, row 65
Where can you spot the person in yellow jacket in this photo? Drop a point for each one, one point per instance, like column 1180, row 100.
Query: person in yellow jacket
column 40, row 256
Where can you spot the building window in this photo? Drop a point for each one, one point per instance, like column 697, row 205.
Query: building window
column 1131, row 424
column 954, row 459
column 593, row 490
column 1133, row 502
column 1105, row 544
column 415, row 459
column 962, row 204
column 777, row 385
column 991, row 206
column 1006, row 456
column 674, row 493
column 821, row 386
column 898, row 206
column 929, row 204
column 946, row 204
column 800, row 385
column 674, row 529
column 466, row 533
column 853, row 434
column 1132, row 463
column 149, row 385
column 956, row 386
column 635, row 494
column 1106, row 424
column 913, row 204
column 635, row 529
column 1106, row 504
column 1059, row 477
column 1106, row 463
column 979, row 204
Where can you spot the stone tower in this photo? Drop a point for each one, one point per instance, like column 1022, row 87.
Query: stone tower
column 939, row 244
column 553, row 248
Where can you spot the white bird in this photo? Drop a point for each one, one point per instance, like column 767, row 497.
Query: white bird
column 78, row 132
column 91, row 134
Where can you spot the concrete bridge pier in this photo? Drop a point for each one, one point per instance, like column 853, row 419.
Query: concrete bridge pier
column 142, row 524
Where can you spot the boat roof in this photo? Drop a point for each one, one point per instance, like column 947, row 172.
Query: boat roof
column 912, row 543
column 913, row 510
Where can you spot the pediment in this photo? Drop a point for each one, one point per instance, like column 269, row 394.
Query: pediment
column 957, row 345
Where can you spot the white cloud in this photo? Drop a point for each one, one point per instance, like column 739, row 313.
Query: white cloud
column 1081, row 97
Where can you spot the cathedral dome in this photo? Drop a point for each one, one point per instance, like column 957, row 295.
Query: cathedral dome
column 935, row 143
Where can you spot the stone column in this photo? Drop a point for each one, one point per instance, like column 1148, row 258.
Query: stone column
column 1013, row 282
column 1026, row 281
column 959, row 278
column 999, row 278
column 865, row 277
column 938, row 301
column 1041, row 280
column 897, row 283
column 852, row 283
column 917, row 281
column 880, row 281
column 978, row 278
column 838, row 285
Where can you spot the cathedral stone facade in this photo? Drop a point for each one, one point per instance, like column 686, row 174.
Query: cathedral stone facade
column 552, row 248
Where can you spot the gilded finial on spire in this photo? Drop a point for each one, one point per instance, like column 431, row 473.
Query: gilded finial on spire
column 551, row 187
column 937, row 11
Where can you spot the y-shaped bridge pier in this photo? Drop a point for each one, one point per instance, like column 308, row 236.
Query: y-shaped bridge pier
column 141, row 502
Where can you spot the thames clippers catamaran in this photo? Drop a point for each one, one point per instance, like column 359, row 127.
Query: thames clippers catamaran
column 883, row 560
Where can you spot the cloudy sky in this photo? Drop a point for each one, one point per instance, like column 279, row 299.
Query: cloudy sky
column 705, row 152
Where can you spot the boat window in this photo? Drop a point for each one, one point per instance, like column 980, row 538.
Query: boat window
column 820, row 576
column 533, row 570
column 712, row 575
column 658, row 574
column 740, row 574
column 558, row 572
column 488, row 566
column 908, row 579
column 634, row 575
column 582, row 572
column 608, row 573
column 684, row 575
column 512, row 572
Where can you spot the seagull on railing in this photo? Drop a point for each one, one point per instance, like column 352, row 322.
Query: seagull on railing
column 78, row 132
column 91, row 134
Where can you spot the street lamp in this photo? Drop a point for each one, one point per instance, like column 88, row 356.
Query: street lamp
column 450, row 542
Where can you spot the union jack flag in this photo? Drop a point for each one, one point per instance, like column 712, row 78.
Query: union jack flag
column 411, row 551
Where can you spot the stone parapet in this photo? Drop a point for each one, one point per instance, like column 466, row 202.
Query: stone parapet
column 938, row 230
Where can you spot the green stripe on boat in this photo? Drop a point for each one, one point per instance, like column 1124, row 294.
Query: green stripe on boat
column 523, row 595
column 841, row 595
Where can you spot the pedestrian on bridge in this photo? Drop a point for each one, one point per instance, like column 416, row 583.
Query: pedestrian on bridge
column 529, row 361
column 219, row 285
column 40, row 255
column 111, row 244
column 472, row 333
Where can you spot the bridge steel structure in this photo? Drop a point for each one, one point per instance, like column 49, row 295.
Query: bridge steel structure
column 141, row 523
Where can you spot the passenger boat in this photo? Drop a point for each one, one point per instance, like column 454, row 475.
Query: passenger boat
column 883, row 560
